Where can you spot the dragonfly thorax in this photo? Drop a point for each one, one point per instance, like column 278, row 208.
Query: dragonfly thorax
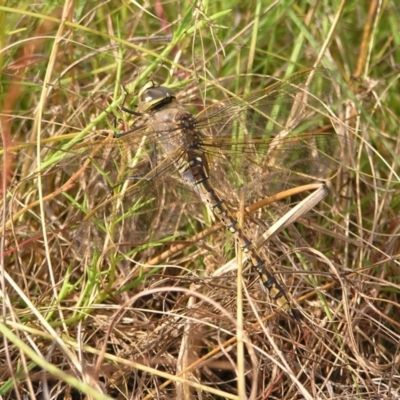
column 152, row 97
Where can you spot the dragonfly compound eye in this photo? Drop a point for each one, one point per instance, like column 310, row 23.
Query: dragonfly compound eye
column 154, row 96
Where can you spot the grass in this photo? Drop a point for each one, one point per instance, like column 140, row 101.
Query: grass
column 108, row 295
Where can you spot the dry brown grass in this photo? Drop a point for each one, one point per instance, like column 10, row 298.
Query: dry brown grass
column 92, row 309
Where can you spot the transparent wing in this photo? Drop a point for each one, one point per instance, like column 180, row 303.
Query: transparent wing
column 279, row 137
column 262, row 143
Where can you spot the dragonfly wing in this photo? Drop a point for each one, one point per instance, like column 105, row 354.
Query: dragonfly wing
column 282, row 134
column 121, row 189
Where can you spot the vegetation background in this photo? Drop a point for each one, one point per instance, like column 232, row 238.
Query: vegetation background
column 82, row 316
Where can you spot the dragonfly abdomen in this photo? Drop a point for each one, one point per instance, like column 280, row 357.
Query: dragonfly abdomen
column 219, row 208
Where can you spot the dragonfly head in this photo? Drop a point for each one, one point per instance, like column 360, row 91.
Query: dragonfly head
column 152, row 97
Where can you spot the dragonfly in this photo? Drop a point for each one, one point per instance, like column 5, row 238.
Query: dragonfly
column 256, row 136
column 261, row 143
